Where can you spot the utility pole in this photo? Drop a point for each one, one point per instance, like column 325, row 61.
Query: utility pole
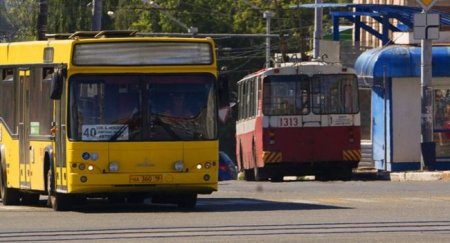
column 97, row 6
column 267, row 15
column 42, row 20
column 426, row 28
column 318, row 15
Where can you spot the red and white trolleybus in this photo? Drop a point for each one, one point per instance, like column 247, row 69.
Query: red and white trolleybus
column 298, row 119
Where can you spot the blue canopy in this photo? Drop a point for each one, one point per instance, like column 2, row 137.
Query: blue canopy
column 401, row 61
column 404, row 13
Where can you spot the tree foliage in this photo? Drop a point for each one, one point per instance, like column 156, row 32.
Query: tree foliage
column 240, row 55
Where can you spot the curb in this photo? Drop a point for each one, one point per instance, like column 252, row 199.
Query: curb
column 373, row 174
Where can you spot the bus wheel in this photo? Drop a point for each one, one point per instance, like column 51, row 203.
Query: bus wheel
column 30, row 198
column 10, row 196
column 61, row 202
column 187, row 201
column 58, row 201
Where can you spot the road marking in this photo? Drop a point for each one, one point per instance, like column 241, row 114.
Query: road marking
column 364, row 200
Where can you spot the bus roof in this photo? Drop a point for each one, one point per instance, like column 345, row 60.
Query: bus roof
column 64, row 44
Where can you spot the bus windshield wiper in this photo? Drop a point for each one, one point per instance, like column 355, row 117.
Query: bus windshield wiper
column 118, row 133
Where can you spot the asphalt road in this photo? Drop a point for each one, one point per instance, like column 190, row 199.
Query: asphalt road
column 354, row 211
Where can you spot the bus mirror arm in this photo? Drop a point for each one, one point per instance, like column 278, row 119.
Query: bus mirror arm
column 224, row 96
column 53, row 129
column 57, row 82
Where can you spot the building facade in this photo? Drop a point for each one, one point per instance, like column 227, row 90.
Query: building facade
column 368, row 39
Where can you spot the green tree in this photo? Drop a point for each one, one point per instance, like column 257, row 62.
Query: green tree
column 22, row 16
column 240, row 55
column 69, row 16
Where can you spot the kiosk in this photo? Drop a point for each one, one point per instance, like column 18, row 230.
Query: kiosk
column 393, row 73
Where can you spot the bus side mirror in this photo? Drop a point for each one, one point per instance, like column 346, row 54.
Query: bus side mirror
column 224, row 98
column 57, row 83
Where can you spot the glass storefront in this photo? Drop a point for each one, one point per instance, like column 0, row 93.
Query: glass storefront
column 441, row 121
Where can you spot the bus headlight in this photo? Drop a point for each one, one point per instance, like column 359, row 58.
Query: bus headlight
column 81, row 166
column 94, row 156
column 207, row 165
column 178, row 166
column 113, row 166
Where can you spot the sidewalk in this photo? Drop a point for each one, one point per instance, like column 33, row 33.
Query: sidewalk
column 373, row 174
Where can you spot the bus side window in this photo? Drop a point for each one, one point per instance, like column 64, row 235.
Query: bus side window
column 7, row 99
column 41, row 107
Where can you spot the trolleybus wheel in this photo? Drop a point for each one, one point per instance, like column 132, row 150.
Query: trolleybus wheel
column 278, row 178
column 259, row 174
column 10, row 196
column 249, row 175
column 345, row 173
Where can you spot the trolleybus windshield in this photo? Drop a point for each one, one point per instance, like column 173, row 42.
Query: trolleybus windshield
column 335, row 94
column 294, row 94
column 286, row 95
column 142, row 107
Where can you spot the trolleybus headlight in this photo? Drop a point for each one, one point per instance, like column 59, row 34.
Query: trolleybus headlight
column 81, row 166
column 113, row 166
column 90, row 167
column 199, row 166
column 178, row 165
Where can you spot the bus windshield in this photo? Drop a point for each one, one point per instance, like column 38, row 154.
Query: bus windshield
column 142, row 107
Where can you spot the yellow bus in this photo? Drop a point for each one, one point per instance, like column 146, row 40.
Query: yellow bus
column 97, row 114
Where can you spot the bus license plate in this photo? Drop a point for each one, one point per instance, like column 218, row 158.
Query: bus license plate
column 145, row 179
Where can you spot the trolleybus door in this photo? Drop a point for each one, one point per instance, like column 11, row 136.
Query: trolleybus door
column 24, row 127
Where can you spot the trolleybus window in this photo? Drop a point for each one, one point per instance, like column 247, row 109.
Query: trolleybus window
column 335, row 94
column 142, row 107
column 286, row 95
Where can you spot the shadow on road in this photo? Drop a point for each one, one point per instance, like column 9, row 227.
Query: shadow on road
column 203, row 205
